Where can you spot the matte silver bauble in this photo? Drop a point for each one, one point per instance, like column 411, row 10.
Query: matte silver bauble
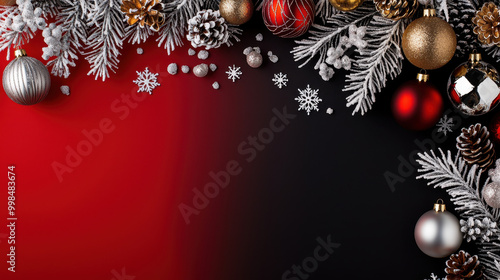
column 201, row 70
column 437, row 232
column 491, row 194
column 26, row 80
column 254, row 59
column 474, row 86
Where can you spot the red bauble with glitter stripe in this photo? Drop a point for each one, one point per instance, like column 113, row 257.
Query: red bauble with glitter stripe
column 288, row 18
column 417, row 105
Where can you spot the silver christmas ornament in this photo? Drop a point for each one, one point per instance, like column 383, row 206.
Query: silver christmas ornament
column 474, row 86
column 254, row 59
column 437, row 232
column 200, row 70
column 491, row 194
column 26, row 80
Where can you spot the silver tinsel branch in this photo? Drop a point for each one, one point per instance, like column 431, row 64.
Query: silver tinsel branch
column 463, row 184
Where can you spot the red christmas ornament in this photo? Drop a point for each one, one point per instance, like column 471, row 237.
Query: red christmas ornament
column 288, row 18
column 417, row 105
column 494, row 128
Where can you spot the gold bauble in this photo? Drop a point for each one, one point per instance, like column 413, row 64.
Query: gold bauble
column 236, row 11
column 346, row 5
column 7, row 2
column 429, row 42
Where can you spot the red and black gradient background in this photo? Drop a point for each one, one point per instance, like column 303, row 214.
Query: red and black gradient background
column 118, row 208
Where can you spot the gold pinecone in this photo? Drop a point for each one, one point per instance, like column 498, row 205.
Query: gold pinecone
column 396, row 9
column 475, row 146
column 146, row 12
column 487, row 24
column 463, row 266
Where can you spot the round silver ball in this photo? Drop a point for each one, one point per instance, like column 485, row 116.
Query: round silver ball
column 438, row 234
column 26, row 80
column 491, row 194
column 254, row 59
column 200, row 70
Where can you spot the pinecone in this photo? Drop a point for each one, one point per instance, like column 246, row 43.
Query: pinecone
column 146, row 12
column 475, row 229
column 487, row 24
column 475, row 146
column 396, row 9
column 463, row 266
column 461, row 21
column 207, row 28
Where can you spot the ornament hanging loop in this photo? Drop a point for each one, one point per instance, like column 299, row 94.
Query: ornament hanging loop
column 422, row 76
column 439, row 206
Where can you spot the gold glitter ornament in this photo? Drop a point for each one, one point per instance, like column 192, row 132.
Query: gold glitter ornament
column 429, row 42
column 236, row 11
column 346, row 5
column 7, row 2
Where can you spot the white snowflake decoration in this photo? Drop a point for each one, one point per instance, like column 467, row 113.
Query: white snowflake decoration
column 146, row 81
column 434, row 277
column 233, row 73
column 445, row 125
column 280, row 80
column 308, row 99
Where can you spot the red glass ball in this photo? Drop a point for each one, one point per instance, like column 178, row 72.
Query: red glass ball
column 417, row 105
column 494, row 128
column 288, row 18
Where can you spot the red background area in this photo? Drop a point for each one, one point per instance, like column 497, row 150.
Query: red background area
column 118, row 206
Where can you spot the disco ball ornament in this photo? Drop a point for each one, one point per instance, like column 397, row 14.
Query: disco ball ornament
column 437, row 232
column 288, row 18
column 346, row 5
column 429, row 42
column 236, row 11
column 417, row 105
column 474, row 86
column 26, row 80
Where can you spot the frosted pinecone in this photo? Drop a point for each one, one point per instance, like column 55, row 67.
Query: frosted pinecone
column 461, row 21
column 207, row 28
column 481, row 230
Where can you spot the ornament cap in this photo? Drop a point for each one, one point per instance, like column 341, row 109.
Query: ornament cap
column 429, row 12
column 475, row 57
column 439, row 207
column 422, row 77
column 20, row 52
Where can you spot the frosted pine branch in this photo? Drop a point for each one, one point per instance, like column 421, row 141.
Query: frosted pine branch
column 106, row 39
column 74, row 24
column 463, row 184
column 178, row 12
column 382, row 58
column 11, row 38
column 324, row 10
column 321, row 38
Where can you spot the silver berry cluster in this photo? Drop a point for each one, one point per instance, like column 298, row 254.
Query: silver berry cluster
column 28, row 18
column 481, row 230
column 336, row 56
column 52, row 36
column 207, row 28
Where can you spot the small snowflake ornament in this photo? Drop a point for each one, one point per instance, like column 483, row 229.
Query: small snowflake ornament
column 280, row 80
column 146, row 81
column 308, row 99
column 445, row 125
column 233, row 73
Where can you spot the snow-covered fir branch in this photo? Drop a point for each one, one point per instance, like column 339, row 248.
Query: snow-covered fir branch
column 321, row 38
column 73, row 22
column 106, row 37
column 380, row 60
column 324, row 9
column 178, row 12
column 463, row 184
